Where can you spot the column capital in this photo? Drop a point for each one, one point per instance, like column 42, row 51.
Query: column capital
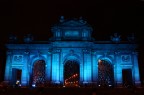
column 116, row 52
column 94, row 52
column 135, row 53
column 9, row 52
column 55, row 50
column 87, row 51
column 26, row 52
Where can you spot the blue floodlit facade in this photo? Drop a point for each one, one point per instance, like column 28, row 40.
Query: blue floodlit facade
column 72, row 42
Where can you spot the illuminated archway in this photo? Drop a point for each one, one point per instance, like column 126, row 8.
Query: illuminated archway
column 105, row 73
column 71, row 73
column 38, row 76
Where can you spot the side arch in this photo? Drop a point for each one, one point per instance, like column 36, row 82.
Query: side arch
column 107, row 58
column 36, row 58
column 33, row 61
column 105, row 72
column 38, row 73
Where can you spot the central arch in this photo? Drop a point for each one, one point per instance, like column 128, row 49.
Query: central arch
column 71, row 73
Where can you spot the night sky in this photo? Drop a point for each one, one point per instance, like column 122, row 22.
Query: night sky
column 21, row 17
column 36, row 17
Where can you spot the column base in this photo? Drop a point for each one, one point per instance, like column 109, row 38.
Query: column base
column 138, row 84
column 119, row 84
column 24, row 83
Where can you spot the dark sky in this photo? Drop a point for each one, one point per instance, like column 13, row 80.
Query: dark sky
column 36, row 17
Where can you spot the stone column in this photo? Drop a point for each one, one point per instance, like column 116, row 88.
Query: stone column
column 8, row 69
column 118, row 70
column 87, row 66
column 25, row 72
column 136, row 75
column 56, row 66
column 48, row 66
column 94, row 68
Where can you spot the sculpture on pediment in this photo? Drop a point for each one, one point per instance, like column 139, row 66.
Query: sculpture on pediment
column 61, row 18
column 116, row 38
column 28, row 38
column 131, row 38
column 12, row 38
column 82, row 21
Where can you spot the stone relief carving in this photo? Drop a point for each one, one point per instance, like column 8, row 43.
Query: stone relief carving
column 115, row 38
column 18, row 58
column 125, row 58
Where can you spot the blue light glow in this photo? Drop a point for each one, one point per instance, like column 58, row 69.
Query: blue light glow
column 81, row 48
column 55, row 68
